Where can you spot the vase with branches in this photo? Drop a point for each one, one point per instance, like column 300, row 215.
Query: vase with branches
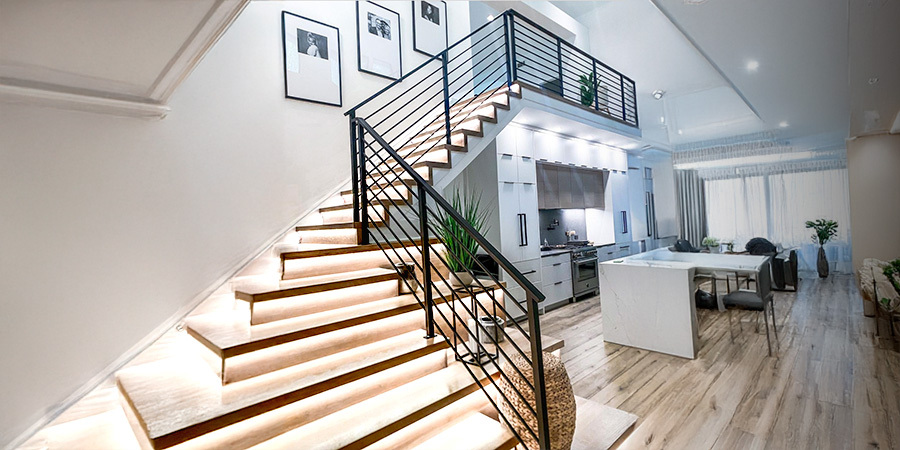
column 823, row 231
column 459, row 245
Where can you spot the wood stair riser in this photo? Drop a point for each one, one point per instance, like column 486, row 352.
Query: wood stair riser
column 325, row 265
column 298, row 305
column 371, row 420
column 300, row 348
column 472, row 120
column 429, row 426
column 346, row 215
column 386, row 196
column 258, row 422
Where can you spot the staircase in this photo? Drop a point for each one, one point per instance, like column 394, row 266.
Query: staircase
column 332, row 354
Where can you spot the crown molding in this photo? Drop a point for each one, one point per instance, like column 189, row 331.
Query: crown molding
column 79, row 102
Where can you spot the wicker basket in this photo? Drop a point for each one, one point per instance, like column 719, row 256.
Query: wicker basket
column 560, row 401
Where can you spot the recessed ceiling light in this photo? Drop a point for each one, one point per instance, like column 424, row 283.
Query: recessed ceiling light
column 662, row 119
column 752, row 65
column 783, row 124
column 490, row 17
column 679, row 132
column 658, row 94
column 872, row 81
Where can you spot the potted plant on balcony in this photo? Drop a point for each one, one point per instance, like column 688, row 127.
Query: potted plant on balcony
column 823, row 231
column 459, row 245
column 588, row 84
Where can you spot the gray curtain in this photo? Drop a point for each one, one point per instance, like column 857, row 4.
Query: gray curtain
column 691, row 206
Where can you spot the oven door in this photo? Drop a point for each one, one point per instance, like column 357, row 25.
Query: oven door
column 585, row 269
column 585, row 275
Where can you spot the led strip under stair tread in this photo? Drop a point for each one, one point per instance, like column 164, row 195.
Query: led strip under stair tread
column 230, row 334
column 301, row 251
column 476, row 431
column 179, row 399
column 374, row 417
column 262, row 291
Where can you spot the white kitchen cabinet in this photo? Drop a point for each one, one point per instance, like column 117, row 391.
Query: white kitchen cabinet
column 519, row 228
column 618, row 183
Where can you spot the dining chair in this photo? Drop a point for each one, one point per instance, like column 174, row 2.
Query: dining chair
column 759, row 299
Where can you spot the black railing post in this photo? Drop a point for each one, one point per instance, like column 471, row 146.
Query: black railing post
column 512, row 47
column 559, row 63
column 506, row 50
column 622, row 91
column 596, row 82
column 537, row 368
column 426, row 263
column 637, row 122
column 354, row 169
column 363, row 188
column 446, row 95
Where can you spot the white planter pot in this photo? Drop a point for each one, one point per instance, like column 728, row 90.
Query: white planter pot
column 459, row 280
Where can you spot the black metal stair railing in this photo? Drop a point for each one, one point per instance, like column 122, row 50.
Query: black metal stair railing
column 409, row 126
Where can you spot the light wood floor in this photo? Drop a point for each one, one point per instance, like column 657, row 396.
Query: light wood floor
column 832, row 386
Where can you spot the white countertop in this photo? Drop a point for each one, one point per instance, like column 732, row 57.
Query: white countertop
column 666, row 258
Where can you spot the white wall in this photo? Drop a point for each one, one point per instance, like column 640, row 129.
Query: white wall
column 872, row 164
column 110, row 225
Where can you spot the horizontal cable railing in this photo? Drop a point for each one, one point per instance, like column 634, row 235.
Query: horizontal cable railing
column 414, row 124
column 544, row 60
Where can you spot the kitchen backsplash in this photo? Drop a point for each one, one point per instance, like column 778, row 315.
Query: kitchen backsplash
column 569, row 219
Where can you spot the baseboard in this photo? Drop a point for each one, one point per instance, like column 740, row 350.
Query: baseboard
column 54, row 411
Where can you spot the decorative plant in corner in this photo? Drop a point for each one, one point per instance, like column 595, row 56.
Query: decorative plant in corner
column 460, row 246
column 588, row 83
column 823, row 231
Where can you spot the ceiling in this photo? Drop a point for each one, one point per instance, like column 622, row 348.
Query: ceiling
column 136, row 51
column 733, row 67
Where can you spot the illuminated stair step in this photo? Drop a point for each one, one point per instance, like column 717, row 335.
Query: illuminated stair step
column 179, row 400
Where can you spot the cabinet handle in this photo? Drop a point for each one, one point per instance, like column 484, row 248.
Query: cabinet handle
column 523, row 233
column 529, row 272
column 557, row 264
column 558, row 282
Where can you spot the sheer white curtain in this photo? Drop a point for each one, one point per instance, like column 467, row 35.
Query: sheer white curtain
column 798, row 197
column 776, row 205
column 736, row 209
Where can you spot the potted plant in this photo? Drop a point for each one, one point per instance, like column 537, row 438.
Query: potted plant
column 588, row 83
column 823, row 231
column 461, row 247
column 711, row 243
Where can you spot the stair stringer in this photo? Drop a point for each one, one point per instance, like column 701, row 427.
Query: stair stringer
column 445, row 177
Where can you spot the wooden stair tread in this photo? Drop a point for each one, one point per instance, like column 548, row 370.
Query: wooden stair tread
column 335, row 226
column 301, row 251
column 346, row 207
column 261, row 291
column 368, row 418
column 178, row 399
column 231, row 333
column 476, row 431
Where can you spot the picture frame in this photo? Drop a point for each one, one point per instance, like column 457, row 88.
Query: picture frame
column 430, row 33
column 312, row 60
column 378, row 40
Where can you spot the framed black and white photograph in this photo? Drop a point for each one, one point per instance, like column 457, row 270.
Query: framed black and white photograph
column 378, row 33
column 312, row 60
column 430, row 35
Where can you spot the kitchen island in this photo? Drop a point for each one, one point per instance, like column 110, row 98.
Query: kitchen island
column 648, row 299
